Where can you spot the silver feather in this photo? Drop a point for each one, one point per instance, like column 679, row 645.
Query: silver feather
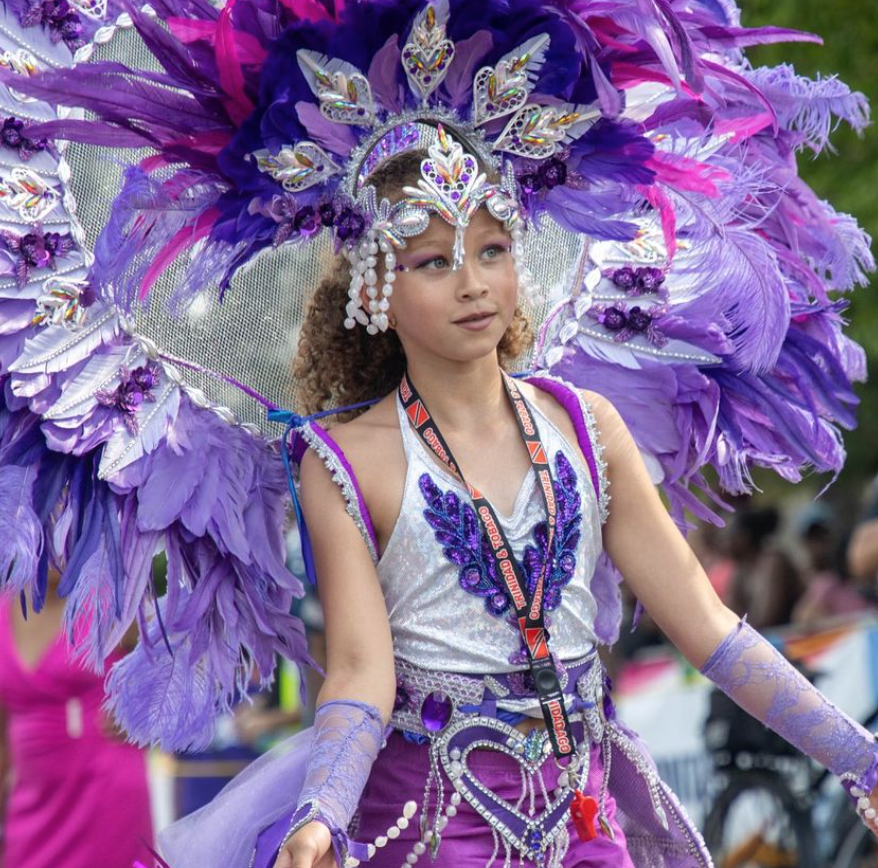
column 57, row 348
column 100, row 372
column 153, row 419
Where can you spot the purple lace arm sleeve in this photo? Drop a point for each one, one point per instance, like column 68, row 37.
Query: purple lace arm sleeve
column 347, row 738
column 760, row 679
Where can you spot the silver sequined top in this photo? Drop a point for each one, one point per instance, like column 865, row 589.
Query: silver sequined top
column 435, row 621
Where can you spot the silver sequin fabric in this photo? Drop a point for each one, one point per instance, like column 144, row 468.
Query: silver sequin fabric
column 435, row 623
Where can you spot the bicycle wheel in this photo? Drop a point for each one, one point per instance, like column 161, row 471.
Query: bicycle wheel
column 858, row 849
column 756, row 822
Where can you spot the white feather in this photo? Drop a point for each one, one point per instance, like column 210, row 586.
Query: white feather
column 313, row 62
column 589, row 116
column 440, row 7
column 537, row 46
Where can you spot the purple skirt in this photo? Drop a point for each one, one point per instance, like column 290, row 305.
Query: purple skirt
column 399, row 775
column 244, row 826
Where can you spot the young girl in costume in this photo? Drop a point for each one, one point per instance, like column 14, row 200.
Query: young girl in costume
column 419, row 645
column 429, row 735
column 462, row 528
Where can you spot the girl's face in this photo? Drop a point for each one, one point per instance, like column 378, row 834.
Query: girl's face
column 457, row 315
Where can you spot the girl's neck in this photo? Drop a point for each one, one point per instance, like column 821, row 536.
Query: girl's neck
column 460, row 394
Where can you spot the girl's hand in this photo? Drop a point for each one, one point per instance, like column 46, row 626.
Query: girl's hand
column 310, row 847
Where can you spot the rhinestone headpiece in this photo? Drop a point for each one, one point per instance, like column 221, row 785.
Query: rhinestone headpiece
column 454, row 180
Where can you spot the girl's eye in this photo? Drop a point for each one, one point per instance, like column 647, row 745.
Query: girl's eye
column 495, row 251
column 435, row 264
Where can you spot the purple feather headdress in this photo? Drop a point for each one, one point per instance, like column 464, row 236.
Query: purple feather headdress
column 706, row 303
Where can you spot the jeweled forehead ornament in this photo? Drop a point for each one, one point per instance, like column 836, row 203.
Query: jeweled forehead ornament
column 451, row 186
column 453, row 181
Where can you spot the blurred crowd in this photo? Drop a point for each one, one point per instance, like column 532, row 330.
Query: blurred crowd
column 806, row 565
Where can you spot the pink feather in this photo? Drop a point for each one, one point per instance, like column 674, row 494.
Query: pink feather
column 231, row 75
column 743, row 128
column 660, row 201
column 250, row 52
column 189, row 30
column 181, row 241
column 627, row 75
column 684, row 173
column 312, row 10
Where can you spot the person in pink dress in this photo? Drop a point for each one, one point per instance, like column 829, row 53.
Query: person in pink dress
column 72, row 792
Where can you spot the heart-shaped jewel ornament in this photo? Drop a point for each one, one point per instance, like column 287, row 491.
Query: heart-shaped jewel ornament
column 343, row 91
column 428, row 54
column 504, row 88
column 496, row 93
column 297, row 167
column 537, row 132
column 530, row 835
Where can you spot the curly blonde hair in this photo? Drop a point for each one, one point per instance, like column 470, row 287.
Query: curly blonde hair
column 338, row 366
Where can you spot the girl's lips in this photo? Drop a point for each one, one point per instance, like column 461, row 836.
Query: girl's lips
column 476, row 324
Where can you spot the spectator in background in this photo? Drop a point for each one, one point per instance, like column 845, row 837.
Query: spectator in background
column 765, row 584
column 707, row 543
column 829, row 591
column 76, row 792
column 862, row 553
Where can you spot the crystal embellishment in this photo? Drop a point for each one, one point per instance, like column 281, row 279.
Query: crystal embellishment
column 27, row 193
column 451, row 186
column 20, row 62
column 537, row 132
column 436, row 711
column 297, row 167
column 343, row 91
column 63, row 302
column 504, row 88
column 427, row 55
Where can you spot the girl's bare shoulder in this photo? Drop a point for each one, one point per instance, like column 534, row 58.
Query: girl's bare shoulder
column 371, row 440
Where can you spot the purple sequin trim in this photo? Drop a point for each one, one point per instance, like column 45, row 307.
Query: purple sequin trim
column 458, row 531
column 135, row 389
column 624, row 322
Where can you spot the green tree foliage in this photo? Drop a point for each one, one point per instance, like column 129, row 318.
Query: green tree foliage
column 847, row 178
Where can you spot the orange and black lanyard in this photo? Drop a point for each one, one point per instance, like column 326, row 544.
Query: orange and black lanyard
column 528, row 606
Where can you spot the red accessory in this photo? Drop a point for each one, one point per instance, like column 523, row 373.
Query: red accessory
column 584, row 810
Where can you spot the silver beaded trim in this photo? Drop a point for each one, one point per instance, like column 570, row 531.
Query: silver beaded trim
column 514, row 745
column 420, row 683
column 590, row 687
column 342, row 479
column 473, row 139
column 598, row 450
column 665, row 804
column 467, row 690
column 596, row 445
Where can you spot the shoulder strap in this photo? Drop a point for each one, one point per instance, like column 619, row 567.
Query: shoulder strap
column 315, row 437
column 584, row 424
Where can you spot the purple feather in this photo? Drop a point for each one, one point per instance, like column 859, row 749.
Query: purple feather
column 383, row 75
column 470, row 54
column 163, row 698
column 581, row 211
column 20, row 530
column 812, row 108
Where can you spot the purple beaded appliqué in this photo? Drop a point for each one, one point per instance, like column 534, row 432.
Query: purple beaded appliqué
column 457, row 530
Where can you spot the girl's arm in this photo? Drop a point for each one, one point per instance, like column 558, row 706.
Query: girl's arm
column 644, row 543
column 357, row 696
column 662, row 570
